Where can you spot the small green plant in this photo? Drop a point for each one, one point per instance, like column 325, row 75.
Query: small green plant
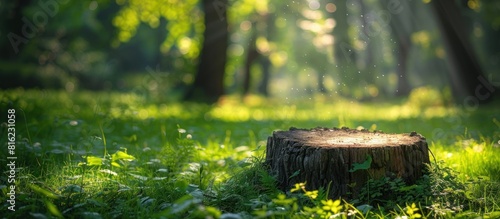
column 411, row 211
column 291, row 207
column 314, row 207
column 389, row 192
column 119, row 159
column 362, row 166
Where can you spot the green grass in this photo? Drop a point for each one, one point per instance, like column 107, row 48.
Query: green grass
column 115, row 155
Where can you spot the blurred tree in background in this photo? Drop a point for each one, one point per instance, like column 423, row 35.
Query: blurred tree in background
column 200, row 50
column 208, row 84
column 56, row 45
column 466, row 73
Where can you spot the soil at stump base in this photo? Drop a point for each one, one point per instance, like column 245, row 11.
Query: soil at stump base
column 324, row 157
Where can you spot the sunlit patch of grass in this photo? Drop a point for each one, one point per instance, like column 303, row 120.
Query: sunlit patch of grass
column 323, row 109
column 473, row 158
column 476, row 164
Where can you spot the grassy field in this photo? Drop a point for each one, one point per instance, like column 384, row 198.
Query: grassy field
column 115, row 155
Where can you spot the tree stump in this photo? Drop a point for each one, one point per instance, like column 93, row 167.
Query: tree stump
column 324, row 157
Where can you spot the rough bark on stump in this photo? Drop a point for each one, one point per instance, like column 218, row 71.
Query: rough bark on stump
column 322, row 157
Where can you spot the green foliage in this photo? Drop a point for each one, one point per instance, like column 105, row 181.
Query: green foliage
column 320, row 206
column 392, row 192
column 118, row 159
column 184, row 24
column 362, row 166
column 184, row 21
column 69, row 44
column 141, row 159
column 425, row 97
column 245, row 190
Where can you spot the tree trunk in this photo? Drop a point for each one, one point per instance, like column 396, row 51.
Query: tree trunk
column 343, row 50
column 403, row 86
column 266, row 75
column 208, row 84
column 365, row 23
column 466, row 74
column 402, row 25
column 325, row 157
column 13, row 21
column 269, row 32
column 252, row 55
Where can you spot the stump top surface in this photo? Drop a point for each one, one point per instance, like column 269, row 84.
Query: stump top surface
column 324, row 137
